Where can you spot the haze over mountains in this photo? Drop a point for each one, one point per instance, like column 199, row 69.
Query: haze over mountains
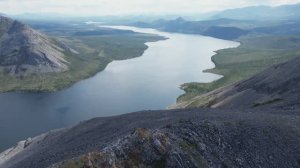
column 231, row 24
column 219, row 28
column 284, row 12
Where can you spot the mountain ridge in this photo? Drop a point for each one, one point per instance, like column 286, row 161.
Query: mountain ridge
column 25, row 50
column 282, row 12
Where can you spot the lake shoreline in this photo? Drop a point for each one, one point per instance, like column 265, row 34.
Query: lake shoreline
column 179, row 103
column 73, row 80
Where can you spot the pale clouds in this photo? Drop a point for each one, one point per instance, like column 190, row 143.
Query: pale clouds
column 118, row 7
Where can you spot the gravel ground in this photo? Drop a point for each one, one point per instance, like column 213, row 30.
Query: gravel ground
column 259, row 138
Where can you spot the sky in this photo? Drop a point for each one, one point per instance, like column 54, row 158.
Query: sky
column 125, row 7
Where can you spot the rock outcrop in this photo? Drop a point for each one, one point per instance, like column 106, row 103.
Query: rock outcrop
column 25, row 50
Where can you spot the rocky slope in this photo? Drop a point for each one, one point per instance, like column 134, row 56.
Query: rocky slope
column 278, row 86
column 178, row 138
column 25, row 50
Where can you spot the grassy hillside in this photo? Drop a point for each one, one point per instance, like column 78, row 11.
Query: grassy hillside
column 255, row 54
column 95, row 52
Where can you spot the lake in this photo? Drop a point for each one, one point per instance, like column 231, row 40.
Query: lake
column 148, row 82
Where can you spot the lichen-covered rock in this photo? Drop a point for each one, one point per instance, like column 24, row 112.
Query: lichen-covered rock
column 142, row 148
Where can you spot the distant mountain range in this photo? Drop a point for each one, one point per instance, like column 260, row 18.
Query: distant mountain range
column 219, row 28
column 231, row 24
column 24, row 50
column 284, row 12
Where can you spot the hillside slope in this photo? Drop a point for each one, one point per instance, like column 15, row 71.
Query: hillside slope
column 25, row 50
column 278, row 86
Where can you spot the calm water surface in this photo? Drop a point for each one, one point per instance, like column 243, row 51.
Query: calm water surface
column 149, row 82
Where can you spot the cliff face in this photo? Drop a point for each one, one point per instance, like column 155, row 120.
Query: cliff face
column 178, row 138
column 25, row 50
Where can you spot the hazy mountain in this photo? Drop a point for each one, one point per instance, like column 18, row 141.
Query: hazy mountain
column 219, row 28
column 284, row 12
column 109, row 19
column 25, row 50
